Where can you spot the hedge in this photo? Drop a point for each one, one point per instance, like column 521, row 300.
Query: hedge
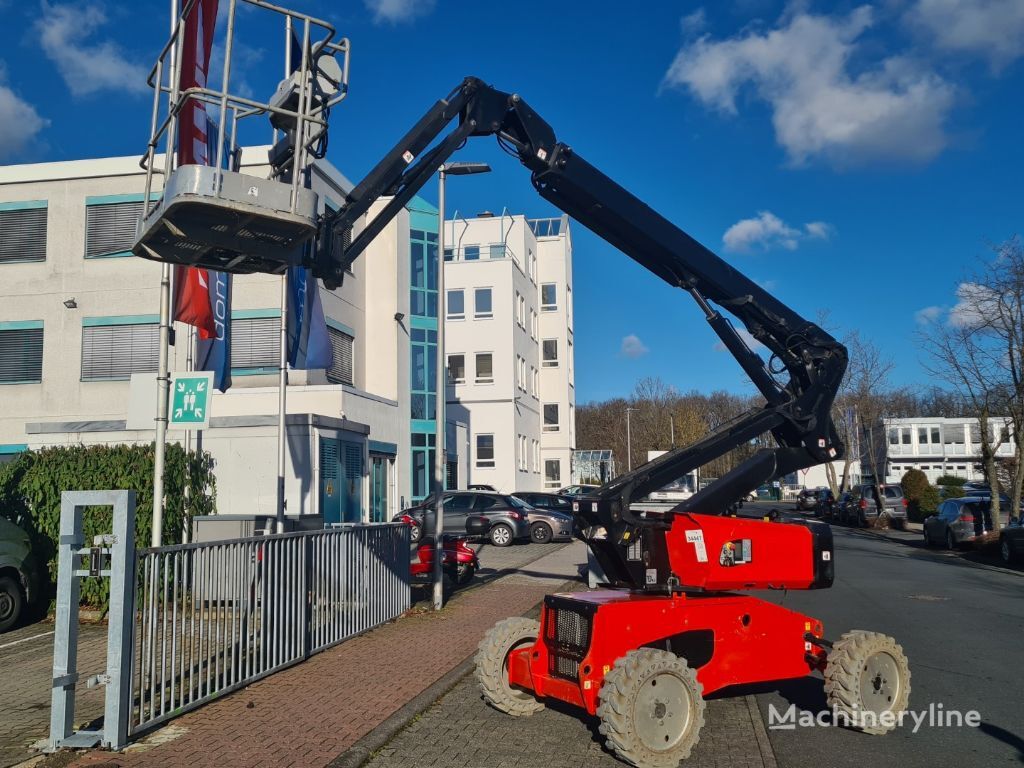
column 31, row 485
column 923, row 499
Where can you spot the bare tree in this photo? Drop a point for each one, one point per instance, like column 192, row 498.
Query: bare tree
column 979, row 349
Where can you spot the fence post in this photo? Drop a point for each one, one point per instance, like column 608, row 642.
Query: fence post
column 120, row 548
column 305, row 596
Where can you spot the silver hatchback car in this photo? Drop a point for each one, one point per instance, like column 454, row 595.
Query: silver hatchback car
column 959, row 521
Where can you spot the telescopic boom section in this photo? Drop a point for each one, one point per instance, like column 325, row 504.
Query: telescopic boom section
column 797, row 410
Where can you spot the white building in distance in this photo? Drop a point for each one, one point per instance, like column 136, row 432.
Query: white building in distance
column 509, row 348
column 941, row 446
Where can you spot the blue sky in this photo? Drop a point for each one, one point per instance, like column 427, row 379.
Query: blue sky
column 853, row 158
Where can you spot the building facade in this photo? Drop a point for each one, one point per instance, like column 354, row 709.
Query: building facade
column 509, row 348
column 79, row 343
column 941, row 446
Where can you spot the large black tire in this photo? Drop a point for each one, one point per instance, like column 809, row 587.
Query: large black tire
column 648, row 726
column 541, row 533
column 501, row 535
column 12, row 602
column 464, row 575
column 866, row 675
column 950, row 541
column 492, row 666
column 1005, row 550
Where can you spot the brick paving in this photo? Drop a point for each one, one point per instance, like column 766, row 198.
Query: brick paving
column 460, row 731
column 309, row 714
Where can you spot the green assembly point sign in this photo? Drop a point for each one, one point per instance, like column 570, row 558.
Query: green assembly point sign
column 190, row 400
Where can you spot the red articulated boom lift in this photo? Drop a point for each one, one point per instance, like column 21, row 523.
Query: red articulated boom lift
column 672, row 624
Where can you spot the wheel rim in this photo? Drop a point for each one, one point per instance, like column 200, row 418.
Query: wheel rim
column 1004, row 550
column 662, row 712
column 949, row 540
column 501, row 535
column 880, row 684
column 540, row 534
column 6, row 606
column 504, row 668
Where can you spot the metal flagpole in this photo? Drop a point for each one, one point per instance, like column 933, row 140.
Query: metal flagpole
column 282, row 374
column 163, row 377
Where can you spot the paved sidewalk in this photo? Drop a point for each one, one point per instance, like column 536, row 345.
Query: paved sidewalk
column 311, row 713
column 460, row 731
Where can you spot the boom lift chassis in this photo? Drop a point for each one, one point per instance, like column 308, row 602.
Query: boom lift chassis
column 672, row 626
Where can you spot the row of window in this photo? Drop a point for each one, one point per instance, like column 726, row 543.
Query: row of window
column 522, row 379
column 527, row 458
column 527, row 454
column 492, row 251
column 484, row 368
column 950, row 434
column 115, row 351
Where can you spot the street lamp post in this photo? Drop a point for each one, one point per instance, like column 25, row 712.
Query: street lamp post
column 629, row 441
column 440, row 456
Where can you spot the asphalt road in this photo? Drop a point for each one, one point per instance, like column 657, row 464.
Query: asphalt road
column 961, row 625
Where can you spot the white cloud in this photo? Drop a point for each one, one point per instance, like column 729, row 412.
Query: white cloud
column 766, row 231
column 744, row 334
column 398, row 11
column 927, row 315
column 823, row 108
column 19, row 121
column 87, row 67
column 632, row 347
column 990, row 29
column 975, row 305
column 694, row 23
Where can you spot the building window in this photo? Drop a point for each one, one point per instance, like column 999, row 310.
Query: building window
column 485, row 450
column 21, row 353
column 23, row 231
column 497, row 251
column 423, row 273
column 533, row 324
column 456, row 369
column 552, row 473
column 533, row 381
column 535, row 458
column 484, row 368
column 342, row 366
column 521, row 311
column 551, row 417
column 449, row 254
column 110, row 228
column 456, row 304
column 255, row 344
column 549, row 353
column 423, row 374
column 115, row 352
column 523, row 457
column 568, row 355
column 423, row 444
column 482, row 304
column 533, row 264
column 548, row 297
column 471, row 253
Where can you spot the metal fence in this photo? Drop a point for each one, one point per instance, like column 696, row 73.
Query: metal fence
column 215, row 616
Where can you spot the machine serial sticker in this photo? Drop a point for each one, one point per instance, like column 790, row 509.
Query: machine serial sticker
column 826, row 555
column 652, row 576
column 697, row 539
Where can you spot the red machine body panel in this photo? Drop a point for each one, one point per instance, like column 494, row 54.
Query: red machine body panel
column 716, row 553
column 730, row 639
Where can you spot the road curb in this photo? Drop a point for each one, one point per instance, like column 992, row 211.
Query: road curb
column 761, row 734
column 360, row 752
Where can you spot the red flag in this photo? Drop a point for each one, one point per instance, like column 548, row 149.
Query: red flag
column 191, row 292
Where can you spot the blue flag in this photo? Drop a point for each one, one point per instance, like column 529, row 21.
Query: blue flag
column 308, row 343
column 214, row 354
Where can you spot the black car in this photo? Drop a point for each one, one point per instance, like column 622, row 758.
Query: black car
column 1011, row 541
column 546, row 501
column 509, row 519
column 807, row 499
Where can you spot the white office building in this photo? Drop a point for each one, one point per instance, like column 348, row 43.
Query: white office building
column 509, row 348
column 941, row 446
column 79, row 333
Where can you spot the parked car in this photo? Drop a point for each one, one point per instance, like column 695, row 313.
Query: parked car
column 550, row 516
column 20, row 583
column 551, row 501
column 482, row 487
column 958, row 522
column 807, row 499
column 509, row 520
column 1011, row 541
column 824, row 503
column 863, row 505
column 577, row 490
